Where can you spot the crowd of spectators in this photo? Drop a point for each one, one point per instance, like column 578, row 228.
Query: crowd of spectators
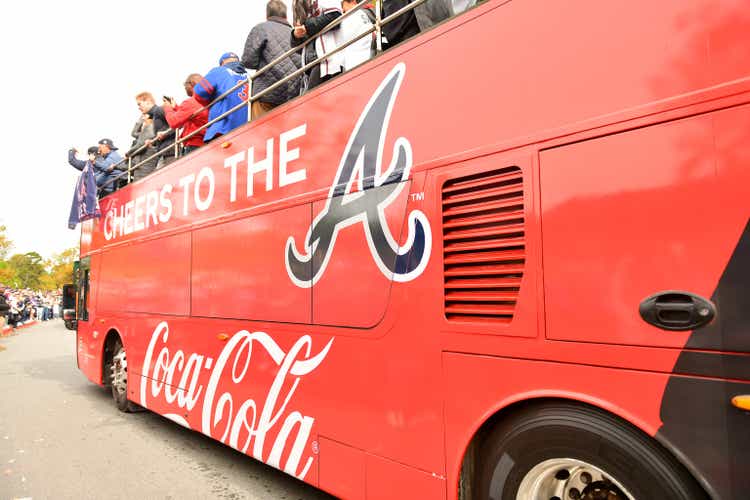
column 20, row 306
column 154, row 134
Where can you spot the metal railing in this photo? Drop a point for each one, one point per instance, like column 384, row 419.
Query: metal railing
column 376, row 28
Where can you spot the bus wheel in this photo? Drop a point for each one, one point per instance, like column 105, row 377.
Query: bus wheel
column 563, row 451
column 119, row 378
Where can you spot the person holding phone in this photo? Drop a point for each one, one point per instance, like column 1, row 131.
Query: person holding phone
column 181, row 115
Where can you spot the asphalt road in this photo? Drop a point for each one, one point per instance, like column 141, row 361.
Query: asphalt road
column 62, row 437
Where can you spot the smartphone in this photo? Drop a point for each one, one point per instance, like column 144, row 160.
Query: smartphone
column 167, row 98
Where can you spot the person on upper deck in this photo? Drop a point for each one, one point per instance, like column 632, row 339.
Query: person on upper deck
column 103, row 158
column 181, row 115
column 302, row 10
column 79, row 164
column 266, row 42
column 143, row 130
column 228, row 74
column 353, row 26
column 162, row 141
column 421, row 18
column 321, row 14
column 108, row 164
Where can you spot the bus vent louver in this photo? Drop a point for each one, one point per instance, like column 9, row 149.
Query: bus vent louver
column 484, row 245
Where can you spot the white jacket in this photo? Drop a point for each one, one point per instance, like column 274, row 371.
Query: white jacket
column 329, row 41
column 360, row 51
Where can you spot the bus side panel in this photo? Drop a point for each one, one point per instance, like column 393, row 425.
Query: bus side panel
column 514, row 73
column 89, row 334
column 342, row 469
column 478, row 386
column 238, row 269
column 624, row 217
column 387, row 480
column 700, row 422
column 147, row 277
column 696, row 412
column 352, row 260
column 251, row 386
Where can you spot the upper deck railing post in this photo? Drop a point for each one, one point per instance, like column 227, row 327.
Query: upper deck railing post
column 378, row 26
column 250, row 97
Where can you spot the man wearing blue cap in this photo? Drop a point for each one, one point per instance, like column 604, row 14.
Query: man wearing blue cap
column 108, row 165
column 228, row 74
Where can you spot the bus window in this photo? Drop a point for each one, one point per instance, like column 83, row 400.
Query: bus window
column 84, row 269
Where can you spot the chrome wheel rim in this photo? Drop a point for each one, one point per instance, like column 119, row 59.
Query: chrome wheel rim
column 120, row 372
column 570, row 479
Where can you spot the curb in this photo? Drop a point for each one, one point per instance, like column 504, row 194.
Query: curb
column 8, row 331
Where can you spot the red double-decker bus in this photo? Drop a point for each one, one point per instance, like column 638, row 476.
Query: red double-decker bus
column 506, row 259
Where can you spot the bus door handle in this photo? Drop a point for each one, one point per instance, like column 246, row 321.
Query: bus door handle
column 677, row 310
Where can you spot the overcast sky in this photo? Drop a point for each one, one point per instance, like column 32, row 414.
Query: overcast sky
column 71, row 73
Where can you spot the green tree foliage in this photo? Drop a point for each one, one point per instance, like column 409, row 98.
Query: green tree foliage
column 29, row 270
column 59, row 270
column 7, row 273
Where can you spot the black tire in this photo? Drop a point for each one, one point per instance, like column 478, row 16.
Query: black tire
column 119, row 393
column 520, row 446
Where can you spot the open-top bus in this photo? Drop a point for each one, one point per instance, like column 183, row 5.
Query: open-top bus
column 505, row 259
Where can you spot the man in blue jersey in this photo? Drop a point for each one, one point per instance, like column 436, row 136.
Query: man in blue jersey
column 228, row 74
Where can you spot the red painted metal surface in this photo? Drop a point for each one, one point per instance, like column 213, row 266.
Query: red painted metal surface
column 240, row 280
column 269, row 297
column 619, row 227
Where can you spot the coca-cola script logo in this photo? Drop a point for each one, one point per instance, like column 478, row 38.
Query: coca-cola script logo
column 225, row 414
column 362, row 163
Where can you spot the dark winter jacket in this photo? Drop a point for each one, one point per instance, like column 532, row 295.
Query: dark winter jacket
column 403, row 27
column 75, row 162
column 156, row 113
column 433, row 12
column 266, row 42
column 314, row 22
column 315, row 25
column 422, row 18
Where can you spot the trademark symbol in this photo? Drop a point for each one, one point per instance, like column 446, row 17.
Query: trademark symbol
column 315, row 447
column 417, row 196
